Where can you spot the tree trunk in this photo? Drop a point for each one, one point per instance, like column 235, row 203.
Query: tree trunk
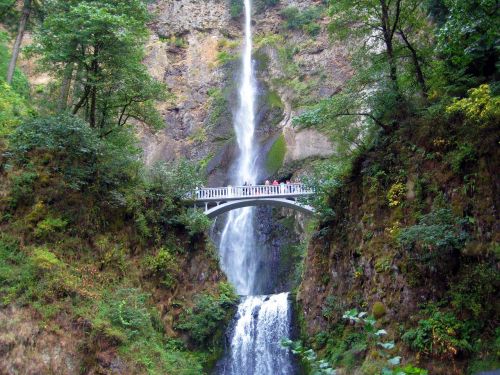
column 17, row 44
column 65, row 86
column 93, row 93
column 416, row 63
column 388, row 34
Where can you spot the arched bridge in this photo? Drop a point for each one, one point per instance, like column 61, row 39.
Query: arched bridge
column 217, row 201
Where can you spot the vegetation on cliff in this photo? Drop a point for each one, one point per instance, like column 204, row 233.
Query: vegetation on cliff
column 409, row 205
column 96, row 249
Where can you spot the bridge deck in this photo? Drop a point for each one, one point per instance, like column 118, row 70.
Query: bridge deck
column 251, row 192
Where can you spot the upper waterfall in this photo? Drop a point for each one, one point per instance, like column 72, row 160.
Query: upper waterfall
column 238, row 258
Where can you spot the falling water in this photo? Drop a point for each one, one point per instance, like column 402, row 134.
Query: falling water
column 261, row 321
column 237, row 245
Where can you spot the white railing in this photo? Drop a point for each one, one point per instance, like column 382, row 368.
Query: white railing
column 261, row 191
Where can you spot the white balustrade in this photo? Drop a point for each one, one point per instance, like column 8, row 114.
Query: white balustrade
column 291, row 190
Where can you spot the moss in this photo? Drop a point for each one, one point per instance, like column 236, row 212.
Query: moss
column 274, row 100
column 378, row 310
column 276, row 155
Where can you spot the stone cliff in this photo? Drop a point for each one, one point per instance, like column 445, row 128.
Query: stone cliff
column 194, row 49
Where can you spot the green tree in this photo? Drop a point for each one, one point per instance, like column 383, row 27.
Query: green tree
column 392, row 39
column 468, row 40
column 95, row 47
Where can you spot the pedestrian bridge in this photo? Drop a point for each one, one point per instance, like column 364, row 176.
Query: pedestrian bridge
column 216, row 201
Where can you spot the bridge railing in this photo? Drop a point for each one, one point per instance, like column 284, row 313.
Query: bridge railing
column 229, row 192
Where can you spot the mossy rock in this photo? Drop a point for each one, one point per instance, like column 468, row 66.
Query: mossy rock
column 378, row 310
column 274, row 100
column 276, row 155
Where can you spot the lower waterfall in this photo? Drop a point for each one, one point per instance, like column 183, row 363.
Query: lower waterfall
column 260, row 324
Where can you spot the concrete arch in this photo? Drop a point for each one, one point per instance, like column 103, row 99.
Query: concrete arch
column 278, row 202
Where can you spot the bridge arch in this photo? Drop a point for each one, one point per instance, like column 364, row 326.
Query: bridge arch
column 212, row 212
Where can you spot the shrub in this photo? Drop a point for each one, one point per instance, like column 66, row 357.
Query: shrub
column 441, row 335
column 163, row 265
column 480, row 108
column 127, row 310
column 302, row 20
column 474, row 289
column 438, row 230
column 206, row 319
column 195, row 221
column 44, row 260
column 433, row 244
column 396, row 194
column 236, row 8
column 49, row 226
column 465, row 153
column 13, row 110
column 70, row 148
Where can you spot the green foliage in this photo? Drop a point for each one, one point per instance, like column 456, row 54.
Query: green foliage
column 480, row 109
column 224, row 57
column 219, row 107
column 378, row 310
column 72, row 149
column 49, row 226
column 163, row 265
column 473, row 290
column 468, row 40
column 22, row 188
column 20, row 84
column 195, row 221
column 326, row 179
column 274, row 100
column 236, row 8
column 303, row 20
column 174, row 40
column 276, row 155
column 103, row 42
column 157, row 202
column 205, row 320
column 439, row 230
column 125, row 318
column 396, row 194
column 38, row 279
column 460, row 157
column 13, row 109
column 441, row 335
column 309, row 357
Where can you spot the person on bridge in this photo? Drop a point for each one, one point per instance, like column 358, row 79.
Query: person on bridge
column 282, row 187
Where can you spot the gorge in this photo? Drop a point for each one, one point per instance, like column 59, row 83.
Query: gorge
column 119, row 112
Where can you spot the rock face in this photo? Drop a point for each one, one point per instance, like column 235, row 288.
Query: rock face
column 194, row 49
column 306, row 143
column 26, row 348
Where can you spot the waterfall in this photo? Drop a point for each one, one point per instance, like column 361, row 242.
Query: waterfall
column 261, row 321
column 237, row 244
